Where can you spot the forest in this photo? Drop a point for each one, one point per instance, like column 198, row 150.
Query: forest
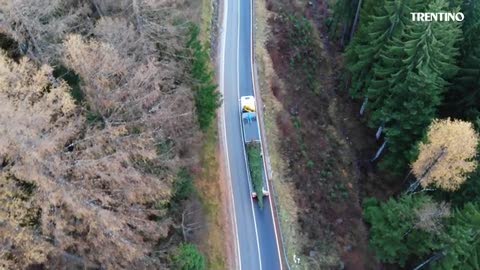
column 373, row 122
column 417, row 84
column 102, row 109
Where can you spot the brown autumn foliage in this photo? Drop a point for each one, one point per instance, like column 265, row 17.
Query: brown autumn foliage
column 84, row 184
column 37, row 26
column 448, row 155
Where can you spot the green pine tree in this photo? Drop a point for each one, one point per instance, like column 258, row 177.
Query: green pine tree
column 462, row 243
column 343, row 19
column 207, row 98
column 402, row 231
column 380, row 23
column 408, row 83
column 463, row 98
column 188, row 257
column 393, row 234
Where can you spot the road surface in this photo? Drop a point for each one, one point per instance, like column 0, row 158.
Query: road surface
column 256, row 240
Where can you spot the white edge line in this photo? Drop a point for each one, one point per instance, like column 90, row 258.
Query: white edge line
column 244, row 152
column 260, row 132
column 222, row 83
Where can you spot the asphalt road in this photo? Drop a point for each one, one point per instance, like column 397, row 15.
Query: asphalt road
column 255, row 232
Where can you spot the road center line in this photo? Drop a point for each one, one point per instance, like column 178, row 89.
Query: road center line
column 222, row 83
column 244, row 153
column 260, row 132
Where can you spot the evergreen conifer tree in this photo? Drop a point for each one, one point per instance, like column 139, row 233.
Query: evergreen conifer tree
column 462, row 243
column 393, row 234
column 380, row 23
column 463, row 98
column 408, row 83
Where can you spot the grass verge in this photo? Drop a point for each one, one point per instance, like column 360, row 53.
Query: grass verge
column 206, row 21
column 208, row 182
column 208, row 188
column 283, row 187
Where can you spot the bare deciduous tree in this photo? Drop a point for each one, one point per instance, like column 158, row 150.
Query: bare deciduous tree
column 37, row 26
column 431, row 215
column 95, row 187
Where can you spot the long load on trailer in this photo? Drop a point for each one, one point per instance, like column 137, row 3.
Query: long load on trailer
column 253, row 147
column 255, row 165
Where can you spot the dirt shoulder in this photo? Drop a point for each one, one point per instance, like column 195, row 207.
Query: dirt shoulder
column 215, row 238
column 319, row 146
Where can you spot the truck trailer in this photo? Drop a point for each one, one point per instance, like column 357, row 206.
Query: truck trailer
column 253, row 148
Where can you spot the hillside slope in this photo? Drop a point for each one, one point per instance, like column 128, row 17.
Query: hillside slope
column 96, row 125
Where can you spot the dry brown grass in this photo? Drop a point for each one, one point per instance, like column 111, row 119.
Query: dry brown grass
column 316, row 167
column 208, row 182
column 208, row 186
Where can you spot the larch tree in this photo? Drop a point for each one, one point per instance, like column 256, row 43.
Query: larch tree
column 122, row 90
column 447, row 156
column 469, row 191
column 41, row 25
column 37, row 117
column 98, row 172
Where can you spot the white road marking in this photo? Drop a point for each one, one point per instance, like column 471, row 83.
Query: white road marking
column 222, row 83
column 238, row 96
column 260, row 131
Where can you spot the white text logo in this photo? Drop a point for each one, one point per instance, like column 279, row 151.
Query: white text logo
column 437, row 17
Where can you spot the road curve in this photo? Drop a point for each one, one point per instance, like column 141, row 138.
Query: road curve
column 256, row 240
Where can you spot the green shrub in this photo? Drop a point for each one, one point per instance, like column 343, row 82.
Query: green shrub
column 188, row 257
column 166, row 149
column 183, row 186
column 306, row 58
column 73, row 80
column 10, row 46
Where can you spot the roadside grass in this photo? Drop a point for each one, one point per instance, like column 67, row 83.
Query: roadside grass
column 208, row 180
column 208, row 188
column 315, row 174
column 283, row 187
column 206, row 22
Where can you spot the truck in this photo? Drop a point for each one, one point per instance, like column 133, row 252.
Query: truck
column 253, row 148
